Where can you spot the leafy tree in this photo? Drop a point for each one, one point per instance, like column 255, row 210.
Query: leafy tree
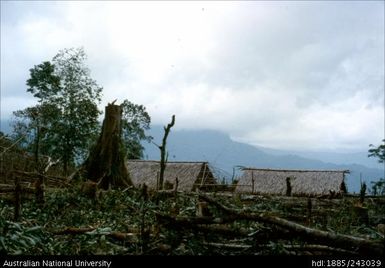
column 31, row 125
column 378, row 152
column 43, row 83
column 135, row 121
column 67, row 110
column 379, row 186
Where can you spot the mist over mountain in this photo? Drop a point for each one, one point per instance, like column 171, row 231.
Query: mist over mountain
column 226, row 155
column 332, row 157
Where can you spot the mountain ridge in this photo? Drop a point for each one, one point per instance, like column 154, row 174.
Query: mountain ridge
column 227, row 155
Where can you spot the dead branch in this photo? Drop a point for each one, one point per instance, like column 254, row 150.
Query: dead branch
column 222, row 230
column 13, row 144
column 11, row 189
column 363, row 246
column 7, row 188
column 73, row 230
column 319, row 248
column 33, row 175
column 116, row 235
column 227, row 246
column 186, row 221
column 314, row 249
column 50, row 163
column 163, row 157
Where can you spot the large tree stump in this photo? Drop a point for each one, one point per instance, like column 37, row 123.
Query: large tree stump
column 106, row 162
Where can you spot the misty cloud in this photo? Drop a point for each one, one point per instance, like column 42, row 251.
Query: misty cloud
column 298, row 75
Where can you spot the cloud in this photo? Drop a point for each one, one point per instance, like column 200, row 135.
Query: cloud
column 300, row 75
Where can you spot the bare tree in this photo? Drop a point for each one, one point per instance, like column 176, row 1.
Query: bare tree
column 163, row 152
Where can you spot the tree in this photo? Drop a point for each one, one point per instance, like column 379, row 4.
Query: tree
column 43, row 82
column 30, row 128
column 163, row 152
column 135, row 121
column 379, row 186
column 71, row 122
column 30, row 124
column 378, row 152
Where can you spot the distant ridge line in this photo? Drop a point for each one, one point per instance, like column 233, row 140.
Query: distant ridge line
column 295, row 170
column 168, row 162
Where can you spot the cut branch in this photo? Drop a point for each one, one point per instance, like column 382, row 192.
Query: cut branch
column 116, row 235
column 363, row 246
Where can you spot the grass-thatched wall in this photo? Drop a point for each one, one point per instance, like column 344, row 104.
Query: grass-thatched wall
column 191, row 175
column 302, row 182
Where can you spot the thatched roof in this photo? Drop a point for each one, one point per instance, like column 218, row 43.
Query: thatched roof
column 191, row 175
column 302, row 182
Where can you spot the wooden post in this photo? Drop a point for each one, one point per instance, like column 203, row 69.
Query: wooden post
column 144, row 233
column 39, row 190
column 309, row 209
column 157, row 180
column 203, row 209
column 17, row 210
column 176, row 190
column 288, row 186
column 362, row 193
column 176, row 184
column 252, row 182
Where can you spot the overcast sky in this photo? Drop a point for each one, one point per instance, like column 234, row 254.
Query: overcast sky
column 291, row 75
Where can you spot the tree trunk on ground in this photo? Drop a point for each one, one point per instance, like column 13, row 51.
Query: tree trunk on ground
column 106, row 162
column 360, row 245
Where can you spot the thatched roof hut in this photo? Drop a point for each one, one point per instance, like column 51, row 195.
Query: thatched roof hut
column 191, row 175
column 300, row 182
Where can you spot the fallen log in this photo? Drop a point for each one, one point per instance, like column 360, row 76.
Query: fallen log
column 227, row 246
column 187, row 221
column 10, row 189
column 351, row 243
column 288, row 249
column 203, row 224
column 54, row 180
column 73, row 230
column 308, row 250
column 216, row 226
column 131, row 237
column 222, row 230
column 319, row 248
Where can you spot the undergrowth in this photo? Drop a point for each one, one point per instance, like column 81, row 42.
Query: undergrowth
column 129, row 211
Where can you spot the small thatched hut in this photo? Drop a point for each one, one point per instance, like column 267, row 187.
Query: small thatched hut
column 294, row 182
column 190, row 175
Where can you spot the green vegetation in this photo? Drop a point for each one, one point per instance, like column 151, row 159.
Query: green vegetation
column 69, row 219
column 64, row 124
column 65, row 121
column 378, row 152
column 135, row 121
column 127, row 222
column 378, row 187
